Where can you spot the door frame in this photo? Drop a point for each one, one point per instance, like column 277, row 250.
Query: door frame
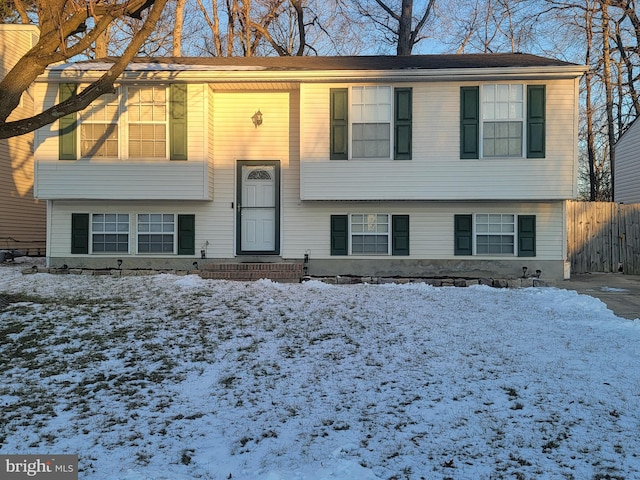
column 239, row 178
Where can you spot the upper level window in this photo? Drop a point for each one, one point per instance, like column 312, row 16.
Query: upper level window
column 502, row 120
column 99, row 128
column 152, row 125
column 147, row 108
column 371, row 122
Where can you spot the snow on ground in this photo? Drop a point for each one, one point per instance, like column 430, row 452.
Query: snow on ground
column 175, row 377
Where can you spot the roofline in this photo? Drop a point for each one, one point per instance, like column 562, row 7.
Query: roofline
column 153, row 72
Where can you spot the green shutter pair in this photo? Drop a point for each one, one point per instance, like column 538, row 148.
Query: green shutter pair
column 339, row 123
column 470, row 121
column 340, row 235
column 463, row 235
column 178, row 133
column 80, row 234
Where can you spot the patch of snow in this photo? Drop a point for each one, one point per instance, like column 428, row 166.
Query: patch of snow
column 176, row 377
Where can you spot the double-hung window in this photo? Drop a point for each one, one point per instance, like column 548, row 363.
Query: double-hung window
column 370, row 234
column 147, row 109
column 110, row 232
column 154, row 126
column 495, row 234
column 502, row 120
column 99, row 127
column 370, row 122
column 156, row 233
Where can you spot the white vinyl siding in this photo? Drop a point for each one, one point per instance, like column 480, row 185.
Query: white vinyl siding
column 126, row 178
column 432, row 226
column 436, row 171
column 627, row 166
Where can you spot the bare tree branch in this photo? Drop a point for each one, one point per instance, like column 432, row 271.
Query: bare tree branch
column 50, row 47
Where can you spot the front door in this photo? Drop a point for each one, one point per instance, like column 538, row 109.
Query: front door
column 258, row 208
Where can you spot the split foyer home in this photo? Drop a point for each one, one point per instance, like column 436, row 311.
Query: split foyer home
column 385, row 166
column 627, row 166
column 22, row 218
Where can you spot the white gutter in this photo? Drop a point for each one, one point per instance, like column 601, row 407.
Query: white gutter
column 223, row 74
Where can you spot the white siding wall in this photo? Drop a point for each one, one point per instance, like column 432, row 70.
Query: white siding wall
column 125, row 179
column 61, row 210
column 236, row 138
column 431, row 227
column 627, row 167
column 436, row 171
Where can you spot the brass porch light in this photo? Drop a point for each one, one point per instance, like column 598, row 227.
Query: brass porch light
column 257, row 118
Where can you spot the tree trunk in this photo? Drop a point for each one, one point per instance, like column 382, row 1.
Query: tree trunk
column 177, row 28
column 405, row 45
column 591, row 149
column 606, row 64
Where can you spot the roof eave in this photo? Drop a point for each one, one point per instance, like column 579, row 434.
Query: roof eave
column 208, row 74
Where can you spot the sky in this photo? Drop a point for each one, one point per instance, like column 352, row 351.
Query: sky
column 175, row 377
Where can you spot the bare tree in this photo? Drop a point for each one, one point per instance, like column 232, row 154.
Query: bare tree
column 398, row 22
column 63, row 35
column 487, row 25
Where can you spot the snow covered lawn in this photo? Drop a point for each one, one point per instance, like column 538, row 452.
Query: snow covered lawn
column 175, row 377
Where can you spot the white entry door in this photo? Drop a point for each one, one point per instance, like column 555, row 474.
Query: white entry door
column 257, row 209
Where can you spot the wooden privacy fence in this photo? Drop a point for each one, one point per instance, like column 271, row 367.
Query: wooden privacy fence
column 603, row 237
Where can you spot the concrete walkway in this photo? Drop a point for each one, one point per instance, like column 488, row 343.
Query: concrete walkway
column 620, row 292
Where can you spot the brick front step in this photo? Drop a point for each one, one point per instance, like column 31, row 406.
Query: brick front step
column 279, row 272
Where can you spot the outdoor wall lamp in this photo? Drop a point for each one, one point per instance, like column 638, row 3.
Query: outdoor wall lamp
column 257, row 118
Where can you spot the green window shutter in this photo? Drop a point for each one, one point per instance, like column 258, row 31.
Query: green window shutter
column 526, row 235
column 178, row 122
column 469, row 122
column 400, row 235
column 463, row 235
column 186, row 234
column 79, row 233
column 536, row 121
column 339, row 234
column 402, row 124
column 339, row 123
column 67, row 149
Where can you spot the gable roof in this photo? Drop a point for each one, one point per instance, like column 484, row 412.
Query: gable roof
column 428, row 62
column 308, row 67
column 379, row 62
